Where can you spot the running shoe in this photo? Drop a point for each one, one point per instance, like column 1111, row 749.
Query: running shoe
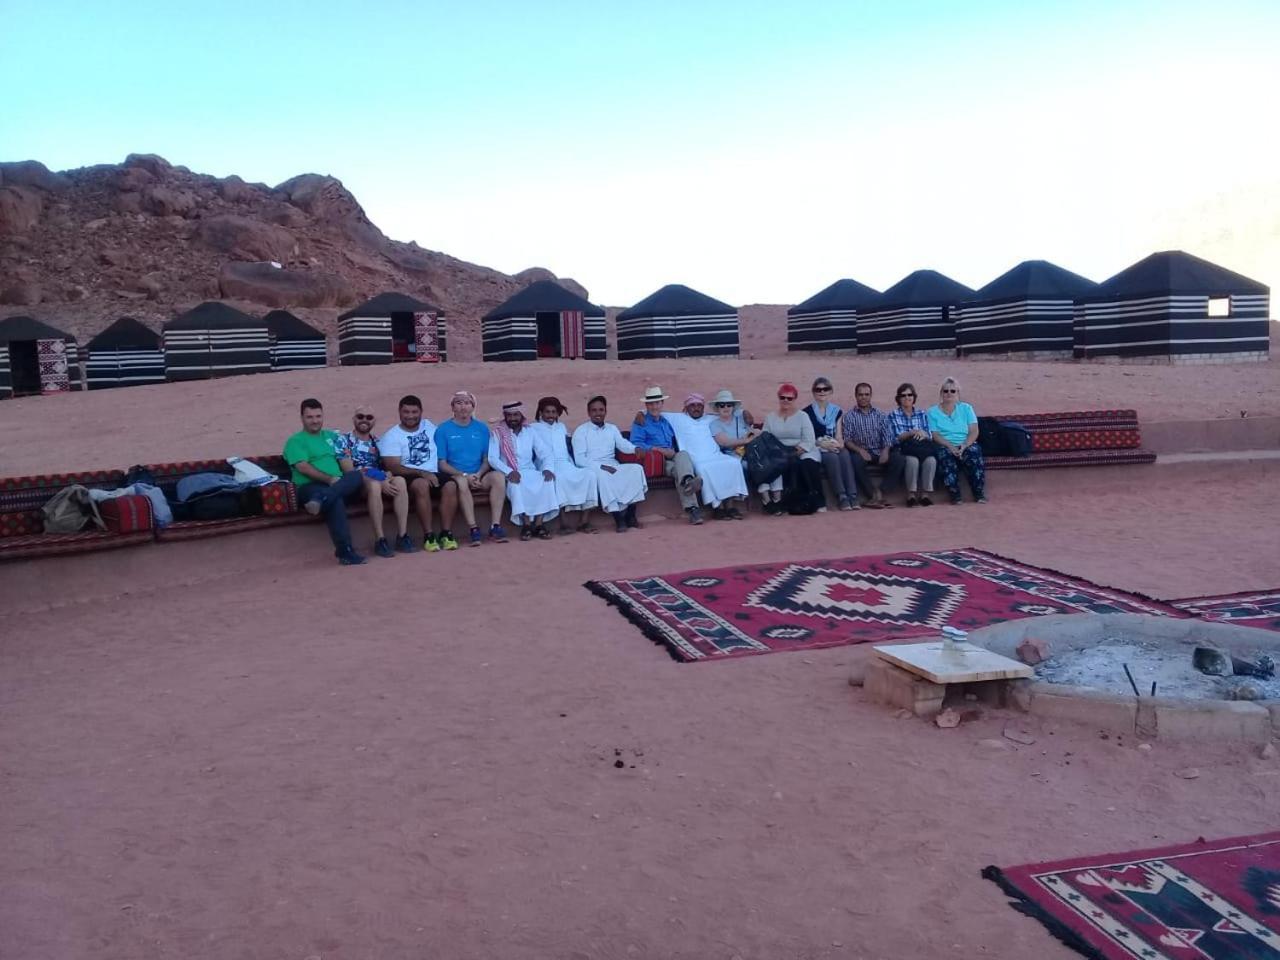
column 497, row 534
column 447, row 541
column 382, row 548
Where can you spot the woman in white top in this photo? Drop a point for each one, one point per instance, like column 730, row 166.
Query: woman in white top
column 794, row 430
column 576, row 488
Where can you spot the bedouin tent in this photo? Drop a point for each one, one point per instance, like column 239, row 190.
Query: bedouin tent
column 295, row 344
column 391, row 328
column 544, row 320
column 126, row 354
column 215, row 340
column 828, row 319
column 677, row 321
column 37, row 358
column 1027, row 311
column 915, row 316
column 1176, row 306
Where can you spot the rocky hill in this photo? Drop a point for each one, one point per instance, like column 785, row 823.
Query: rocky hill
column 148, row 239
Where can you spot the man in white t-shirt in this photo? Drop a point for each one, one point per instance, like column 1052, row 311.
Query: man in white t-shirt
column 409, row 450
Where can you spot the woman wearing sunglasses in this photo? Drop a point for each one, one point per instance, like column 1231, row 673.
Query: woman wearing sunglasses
column 911, row 432
column 803, row 479
column 836, row 460
column 954, row 426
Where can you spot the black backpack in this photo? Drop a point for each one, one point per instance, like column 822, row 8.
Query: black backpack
column 991, row 437
column 1015, row 438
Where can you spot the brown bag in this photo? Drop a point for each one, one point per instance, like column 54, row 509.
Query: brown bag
column 70, row 510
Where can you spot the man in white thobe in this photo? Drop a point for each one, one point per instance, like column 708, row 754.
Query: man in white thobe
column 522, row 456
column 621, row 485
column 721, row 475
column 577, row 490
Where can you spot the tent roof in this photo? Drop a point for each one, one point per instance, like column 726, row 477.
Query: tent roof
column 676, row 300
column 1037, row 278
column 385, row 304
column 841, row 295
column 543, row 296
column 924, row 288
column 126, row 332
column 283, row 325
column 28, row 328
column 1173, row 271
column 213, row 315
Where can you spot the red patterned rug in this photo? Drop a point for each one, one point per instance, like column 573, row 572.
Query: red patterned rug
column 741, row 611
column 1260, row 608
column 1202, row 901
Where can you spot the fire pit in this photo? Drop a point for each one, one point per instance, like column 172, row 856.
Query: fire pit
column 1084, row 676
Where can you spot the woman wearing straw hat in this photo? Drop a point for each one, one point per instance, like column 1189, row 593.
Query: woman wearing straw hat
column 732, row 431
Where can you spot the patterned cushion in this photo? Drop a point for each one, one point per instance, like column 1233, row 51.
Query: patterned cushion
column 21, row 523
column 30, row 493
column 1082, row 430
column 57, row 544
column 654, row 463
column 1071, row 458
column 279, row 497
column 202, row 529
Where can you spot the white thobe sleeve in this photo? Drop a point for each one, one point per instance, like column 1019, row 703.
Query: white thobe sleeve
column 495, row 455
column 580, row 446
column 542, row 455
column 620, row 442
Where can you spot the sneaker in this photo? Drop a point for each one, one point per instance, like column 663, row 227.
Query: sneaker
column 429, row 543
column 695, row 516
column 447, row 541
column 382, row 548
column 312, row 507
column 926, row 502
column 349, row 558
column 497, row 534
column 955, row 500
column 476, row 537
column 821, row 510
column 844, row 504
column 982, row 498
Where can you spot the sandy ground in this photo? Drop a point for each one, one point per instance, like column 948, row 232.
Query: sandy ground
column 235, row 748
column 253, row 415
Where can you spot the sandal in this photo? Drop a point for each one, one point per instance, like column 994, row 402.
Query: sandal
column 525, row 534
column 586, row 527
column 542, row 533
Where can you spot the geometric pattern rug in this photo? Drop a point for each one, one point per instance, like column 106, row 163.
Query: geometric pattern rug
column 1260, row 608
column 1217, row 899
column 739, row 611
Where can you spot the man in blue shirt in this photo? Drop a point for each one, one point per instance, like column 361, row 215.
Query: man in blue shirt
column 462, row 444
column 652, row 431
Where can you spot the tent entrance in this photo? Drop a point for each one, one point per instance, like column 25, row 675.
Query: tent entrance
column 548, row 334
column 24, row 366
column 404, row 337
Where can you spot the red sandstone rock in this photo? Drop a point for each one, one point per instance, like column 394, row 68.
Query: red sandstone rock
column 20, row 209
column 1033, row 650
column 273, row 287
column 947, row 719
column 246, row 239
column 32, row 173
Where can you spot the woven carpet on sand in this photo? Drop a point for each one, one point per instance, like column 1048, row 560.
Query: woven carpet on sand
column 1260, row 608
column 1208, row 900
column 741, row 611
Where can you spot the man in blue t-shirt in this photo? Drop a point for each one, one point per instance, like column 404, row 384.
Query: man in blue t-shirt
column 462, row 444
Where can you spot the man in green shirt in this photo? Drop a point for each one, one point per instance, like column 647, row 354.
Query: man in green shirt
column 323, row 483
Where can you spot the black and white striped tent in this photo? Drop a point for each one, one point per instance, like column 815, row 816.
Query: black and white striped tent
column 1026, row 311
column 544, row 320
column 126, row 354
column 392, row 327
column 916, row 316
column 295, row 344
column 215, row 340
column 36, row 358
column 828, row 319
column 677, row 321
column 1175, row 306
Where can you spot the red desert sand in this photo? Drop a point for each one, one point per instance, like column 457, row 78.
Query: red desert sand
column 236, row 748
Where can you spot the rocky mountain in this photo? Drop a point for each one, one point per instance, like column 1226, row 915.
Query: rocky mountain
column 148, row 239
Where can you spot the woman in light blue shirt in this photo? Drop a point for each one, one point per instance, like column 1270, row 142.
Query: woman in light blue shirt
column 954, row 426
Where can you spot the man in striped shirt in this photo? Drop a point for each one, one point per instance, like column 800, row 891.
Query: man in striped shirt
column 869, row 438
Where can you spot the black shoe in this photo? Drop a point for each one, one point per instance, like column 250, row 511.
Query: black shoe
column 926, row 502
column 620, row 521
column 695, row 516
column 629, row 515
column 382, row 548
column 349, row 558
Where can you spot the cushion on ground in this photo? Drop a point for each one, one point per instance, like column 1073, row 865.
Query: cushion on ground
column 36, row 545
column 202, row 529
column 19, row 494
column 1072, row 458
column 1081, row 430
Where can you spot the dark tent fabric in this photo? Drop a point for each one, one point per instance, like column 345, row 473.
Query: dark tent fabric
column 1026, row 310
column 215, row 340
column 828, row 319
column 915, row 315
column 126, row 332
column 20, row 362
column 126, row 354
column 383, row 329
column 1177, row 306
column 544, row 319
column 295, row 344
column 677, row 321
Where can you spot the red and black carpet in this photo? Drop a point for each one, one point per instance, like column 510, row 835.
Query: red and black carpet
column 1261, row 608
column 1202, row 901
column 740, row 611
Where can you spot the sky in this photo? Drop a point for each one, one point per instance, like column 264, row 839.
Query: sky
column 756, row 151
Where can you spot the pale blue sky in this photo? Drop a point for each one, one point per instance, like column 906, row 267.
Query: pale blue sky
column 756, row 151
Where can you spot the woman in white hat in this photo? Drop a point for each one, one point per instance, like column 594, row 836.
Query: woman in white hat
column 732, row 430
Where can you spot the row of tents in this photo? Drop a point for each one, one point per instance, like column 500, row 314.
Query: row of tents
column 1168, row 305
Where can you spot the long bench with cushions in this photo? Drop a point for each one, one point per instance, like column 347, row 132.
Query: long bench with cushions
column 1074, row 439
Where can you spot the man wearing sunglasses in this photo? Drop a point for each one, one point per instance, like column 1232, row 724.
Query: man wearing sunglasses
column 358, row 450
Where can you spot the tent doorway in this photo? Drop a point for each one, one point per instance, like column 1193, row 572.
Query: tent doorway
column 403, row 337
column 548, row 334
column 24, row 366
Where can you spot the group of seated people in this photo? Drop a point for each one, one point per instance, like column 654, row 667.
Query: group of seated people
column 545, row 472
